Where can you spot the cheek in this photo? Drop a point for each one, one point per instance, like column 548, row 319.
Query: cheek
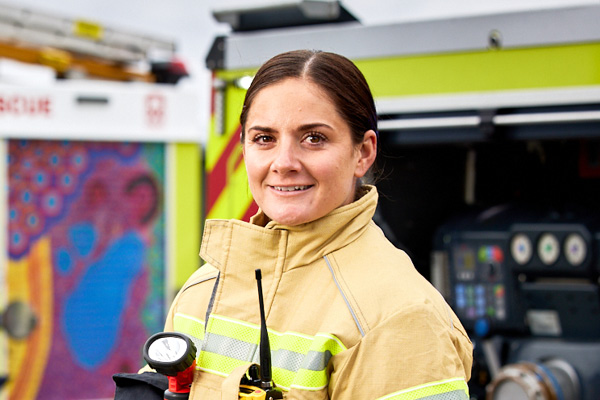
column 254, row 169
column 250, row 168
column 338, row 175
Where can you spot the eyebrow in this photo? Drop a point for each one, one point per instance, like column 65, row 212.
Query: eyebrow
column 305, row 127
column 265, row 129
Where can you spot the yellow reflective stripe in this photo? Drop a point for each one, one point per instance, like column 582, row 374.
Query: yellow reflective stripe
column 298, row 360
column 218, row 364
column 291, row 341
column 311, row 380
column 283, row 377
column 189, row 325
column 452, row 389
column 232, row 328
column 307, row 378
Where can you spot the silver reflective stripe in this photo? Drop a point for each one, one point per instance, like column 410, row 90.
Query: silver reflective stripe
column 197, row 342
column 287, row 359
column 282, row 358
column 344, row 297
column 229, row 347
column 292, row 361
column 316, row 361
column 454, row 395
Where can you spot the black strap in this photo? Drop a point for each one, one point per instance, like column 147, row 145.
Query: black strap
column 147, row 386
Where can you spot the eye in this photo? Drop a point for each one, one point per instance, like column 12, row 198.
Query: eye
column 315, row 138
column 263, row 139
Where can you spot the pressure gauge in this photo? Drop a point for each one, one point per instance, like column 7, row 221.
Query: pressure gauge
column 548, row 248
column 521, row 248
column 575, row 249
column 169, row 352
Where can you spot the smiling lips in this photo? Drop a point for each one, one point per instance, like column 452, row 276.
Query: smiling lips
column 291, row 188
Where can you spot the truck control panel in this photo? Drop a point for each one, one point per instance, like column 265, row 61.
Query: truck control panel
column 524, row 282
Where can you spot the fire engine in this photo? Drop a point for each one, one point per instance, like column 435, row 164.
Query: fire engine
column 489, row 128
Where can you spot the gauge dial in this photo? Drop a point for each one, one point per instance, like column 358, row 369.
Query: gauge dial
column 575, row 249
column 521, row 249
column 548, row 248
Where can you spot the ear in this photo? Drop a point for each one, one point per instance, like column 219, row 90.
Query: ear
column 243, row 144
column 367, row 152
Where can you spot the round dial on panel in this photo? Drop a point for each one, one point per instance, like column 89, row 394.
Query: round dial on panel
column 548, row 248
column 575, row 249
column 521, row 249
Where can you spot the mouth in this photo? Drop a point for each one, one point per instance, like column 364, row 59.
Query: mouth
column 291, row 188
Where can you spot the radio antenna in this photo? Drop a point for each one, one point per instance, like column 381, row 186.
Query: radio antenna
column 266, row 380
column 265, row 347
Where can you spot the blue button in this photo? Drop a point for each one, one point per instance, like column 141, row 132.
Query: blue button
column 482, row 327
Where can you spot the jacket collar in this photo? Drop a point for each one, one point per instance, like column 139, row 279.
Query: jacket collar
column 236, row 244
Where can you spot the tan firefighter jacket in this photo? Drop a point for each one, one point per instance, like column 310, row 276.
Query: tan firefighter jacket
column 349, row 317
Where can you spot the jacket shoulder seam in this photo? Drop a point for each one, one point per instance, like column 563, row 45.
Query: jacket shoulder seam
column 202, row 278
column 345, row 296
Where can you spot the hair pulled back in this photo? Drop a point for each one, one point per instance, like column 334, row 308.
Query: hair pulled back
column 336, row 75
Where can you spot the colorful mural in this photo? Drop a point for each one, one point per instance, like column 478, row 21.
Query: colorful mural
column 87, row 253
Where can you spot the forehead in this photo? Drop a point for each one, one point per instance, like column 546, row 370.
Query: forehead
column 292, row 97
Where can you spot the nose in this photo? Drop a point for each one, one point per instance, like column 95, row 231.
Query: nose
column 286, row 158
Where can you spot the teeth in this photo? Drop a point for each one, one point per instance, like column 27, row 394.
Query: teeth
column 290, row 188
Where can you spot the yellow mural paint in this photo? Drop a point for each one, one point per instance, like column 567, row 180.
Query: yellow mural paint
column 30, row 281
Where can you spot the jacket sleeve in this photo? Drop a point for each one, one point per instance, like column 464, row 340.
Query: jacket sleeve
column 192, row 299
column 414, row 354
column 169, row 324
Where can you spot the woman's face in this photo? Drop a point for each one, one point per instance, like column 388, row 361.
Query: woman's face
column 300, row 158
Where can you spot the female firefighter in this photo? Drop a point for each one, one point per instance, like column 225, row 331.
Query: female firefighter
column 349, row 317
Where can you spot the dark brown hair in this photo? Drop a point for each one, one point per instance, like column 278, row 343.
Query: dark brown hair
column 343, row 82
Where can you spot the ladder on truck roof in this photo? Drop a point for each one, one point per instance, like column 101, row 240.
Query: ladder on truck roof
column 76, row 45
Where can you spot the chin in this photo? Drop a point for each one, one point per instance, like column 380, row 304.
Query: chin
column 290, row 219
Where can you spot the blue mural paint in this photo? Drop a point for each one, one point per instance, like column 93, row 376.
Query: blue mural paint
column 17, row 237
column 63, row 261
column 54, row 159
column 83, row 236
column 92, row 313
column 26, row 197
